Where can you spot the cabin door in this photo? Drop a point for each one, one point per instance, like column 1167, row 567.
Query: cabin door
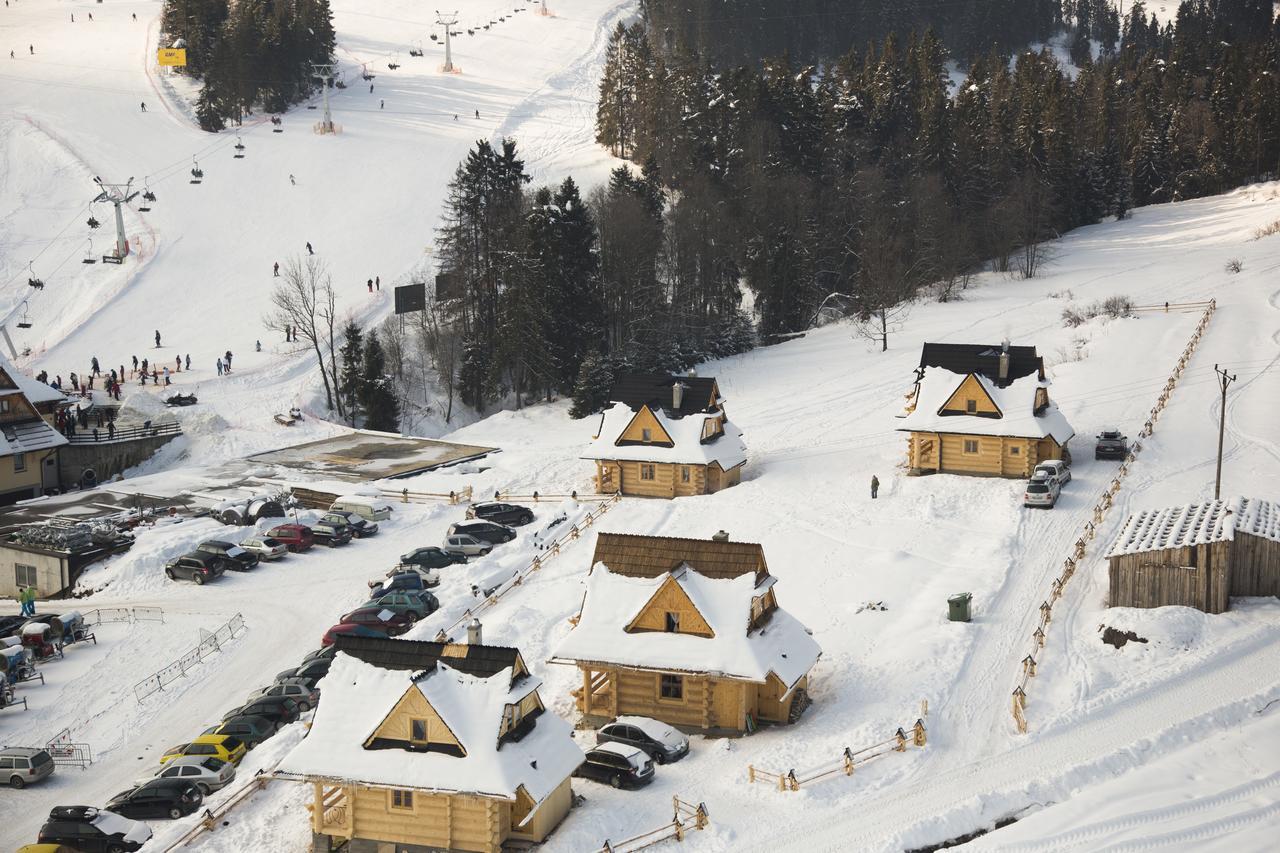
column 926, row 452
column 714, row 475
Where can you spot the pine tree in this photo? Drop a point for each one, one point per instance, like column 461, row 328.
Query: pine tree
column 351, row 359
column 591, row 389
column 377, row 395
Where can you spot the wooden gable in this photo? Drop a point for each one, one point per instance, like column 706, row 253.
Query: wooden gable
column 643, row 420
column 397, row 727
column 670, row 598
column 972, row 391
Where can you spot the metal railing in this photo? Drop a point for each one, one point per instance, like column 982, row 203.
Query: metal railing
column 102, row 435
column 66, row 753
column 103, row 615
column 209, row 645
column 848, row 761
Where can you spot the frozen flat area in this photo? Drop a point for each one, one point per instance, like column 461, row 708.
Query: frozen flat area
column 1177, row 724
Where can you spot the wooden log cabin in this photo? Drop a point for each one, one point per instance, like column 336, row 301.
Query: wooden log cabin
column 664, row 437
column 687, row 631
column 1199, row 555
column 982, row 411
column 423, row 746
column 28, row 441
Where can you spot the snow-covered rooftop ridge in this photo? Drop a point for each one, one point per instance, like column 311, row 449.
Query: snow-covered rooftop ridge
column 782, row 645
column 35, row 390
column 358, row 696
column 686, row 435
column 1016, row 402
column 1197, row 524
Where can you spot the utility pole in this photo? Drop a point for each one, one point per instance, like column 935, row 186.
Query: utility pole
column 448, row 20
column 118, row 195
column 325, row 72
column 1225, row 379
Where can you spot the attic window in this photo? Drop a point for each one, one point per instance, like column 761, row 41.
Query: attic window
column 672, row 623
column 418, row 731
column 971, row 406
column 646, row 435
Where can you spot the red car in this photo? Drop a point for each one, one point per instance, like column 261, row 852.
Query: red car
column 377, row 618
column 350, row 630
column 296, row 537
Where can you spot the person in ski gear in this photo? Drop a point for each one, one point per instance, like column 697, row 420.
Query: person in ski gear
column 135, row 364
column 157, row 339
column 371, row 285
column 178, row 364
column 227, row 357
column 292, row 181
column 166, row 374
column 144, row 106
column 144, row 365
column 257, row 346
column 477, row 114
column 875, row 486
column 219, row 366
column 381, row 104
column 377, row 282
column 370, row 88
column 111, row 430
column 93, row 363
column 75, row 381
column 310, row 251
column 188, row 361
column 275, row 270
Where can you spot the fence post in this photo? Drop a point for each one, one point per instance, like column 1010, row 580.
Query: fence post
column 918, row 733
column 1046, row 612
column 792, row 781
column 1029, row 666
column 901, row 738
column 848, row 762
column 751, row 773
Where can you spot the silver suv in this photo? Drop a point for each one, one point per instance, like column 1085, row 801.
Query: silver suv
column 20, row 766
column 1042, row 491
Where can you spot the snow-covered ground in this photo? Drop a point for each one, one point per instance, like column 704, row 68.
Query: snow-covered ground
column 818, row 417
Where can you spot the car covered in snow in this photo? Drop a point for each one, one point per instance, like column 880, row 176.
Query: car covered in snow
column 198, row 566
column 465, row 545
column 332, row 532
column 366, row 506
column 1055, row 469
column 1112, row 444
column 658, row 740
column 207, row 773
column 295, row 537
column 360, row 527
column 265, row 547
column 172, row 798
column 93, row 830
column 238, row 559
column 618, row 765
column 485, row 531
column 1041, row 491
column 511, row 515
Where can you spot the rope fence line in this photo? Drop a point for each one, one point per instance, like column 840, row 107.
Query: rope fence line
column 1089, row 531
column 845, row 765
column 685, row 816
column 515, row 581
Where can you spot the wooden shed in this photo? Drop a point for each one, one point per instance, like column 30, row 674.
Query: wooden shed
column 687, row 631
column 1198, row 555
column 422, row 746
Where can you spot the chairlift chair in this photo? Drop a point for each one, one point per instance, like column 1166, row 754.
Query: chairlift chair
column 197, row 174
column 92, row 222
column 416, row 49
column 89, row 258
column 434, row 37
column 394, row 63
column 278, row 124
column 25, row 322
column 32, row 280
column 147, row 197
column 239, row 155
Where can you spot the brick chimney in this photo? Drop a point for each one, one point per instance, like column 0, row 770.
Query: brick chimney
column 1004, row 362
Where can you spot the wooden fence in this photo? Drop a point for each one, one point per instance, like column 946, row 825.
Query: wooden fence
column 844, row 765
column 515, row 581
column 684, row 817
column 318, row 499
column 1087, row 533
column 536, row 496
column 209, row 821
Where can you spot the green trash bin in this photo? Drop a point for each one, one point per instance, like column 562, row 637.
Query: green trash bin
column 958, row 607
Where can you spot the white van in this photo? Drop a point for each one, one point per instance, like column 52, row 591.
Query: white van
column 368, row 508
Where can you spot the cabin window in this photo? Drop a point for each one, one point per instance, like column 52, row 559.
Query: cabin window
column 685, row 476
column 971, row 406
column 970, row 445
column 671, row 687
column 19, row 462
column 402, row 800
column 711, row 427
column 646, row 471
column 24, row 575
column 418, row 731
column 4, row 406
column 646, row 435
column 672, row 623
column 1014, row 450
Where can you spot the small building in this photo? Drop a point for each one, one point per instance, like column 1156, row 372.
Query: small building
column 1198, row 555
column 50, row 556
column 28, row 442
column 423, row 746
column 984, row 411
column 687, row 631
column 666, row 436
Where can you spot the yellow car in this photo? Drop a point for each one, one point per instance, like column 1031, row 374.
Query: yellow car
column 45, row 848
column 226, row 747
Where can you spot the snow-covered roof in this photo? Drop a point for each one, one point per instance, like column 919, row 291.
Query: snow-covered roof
column 35, row 390
column 1197, row 524
column 1016, row 402
column 28, row 436
column 686, row 434
column 358, row 696
column 781, row 645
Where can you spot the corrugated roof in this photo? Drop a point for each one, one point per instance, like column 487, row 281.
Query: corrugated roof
column 420, row 655
column 651, row 556
column 983, row 359
column 1197, row 524
column 654, row 390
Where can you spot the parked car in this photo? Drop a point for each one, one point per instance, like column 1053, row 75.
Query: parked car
column 310, row 671
column 402, row 582
column 250, row 729
column 430, row 577
column 322, row 653
column 511, row 515
column 658, row 740
column 381, row 619
column 226, row 747
column 238, row 559
column 1041, row 491
column 360, row 526
column 368, row 508
column 296, row 537
column 92, row 830
column 197, row 566
column 265, row 547
column 486, row 531
column 277, row 710
column 411, row 605
column 306, row 697
column 430, row 557
column 45, row 848
column 171, row 798
column 618, row 765
column 1056, row 469
column 1112, row 444
column 350, row 630
column 21, row 766
column 550, row 531
column 466, row 545
column 207, row 773
column 331, row 533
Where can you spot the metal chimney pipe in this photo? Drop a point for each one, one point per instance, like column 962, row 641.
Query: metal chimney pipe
column 474, row 633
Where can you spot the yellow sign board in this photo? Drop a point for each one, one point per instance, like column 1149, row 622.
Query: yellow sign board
column 172, row 56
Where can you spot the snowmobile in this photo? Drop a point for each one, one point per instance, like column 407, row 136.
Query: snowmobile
column 181, row 400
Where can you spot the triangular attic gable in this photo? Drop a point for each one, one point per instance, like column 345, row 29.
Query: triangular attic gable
column 396, row 728
column 971, row 389
column 6, row 381
column 645, row 419
column 670, row 597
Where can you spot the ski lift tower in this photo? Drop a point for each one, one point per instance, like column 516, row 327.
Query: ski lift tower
column 448, row 20
column 118, row 195
column 325, row 72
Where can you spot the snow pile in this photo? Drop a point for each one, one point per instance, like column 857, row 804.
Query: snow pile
column 141, row 568
column 1016, row 403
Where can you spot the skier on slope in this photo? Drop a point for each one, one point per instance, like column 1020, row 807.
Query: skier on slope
column 310, row 251
column 275, row 270
column 93, row 364
column 144, row 106
column 157, row 339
